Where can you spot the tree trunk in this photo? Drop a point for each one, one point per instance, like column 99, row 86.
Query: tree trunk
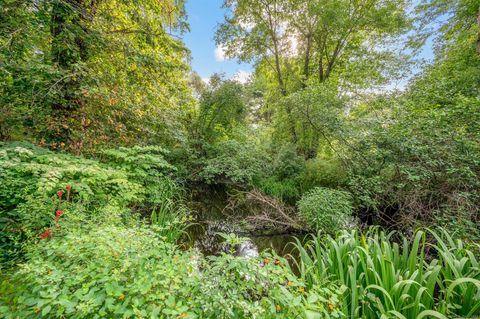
column 306, row 65
column 69, row 47
column 478, row 36
column 283, row 91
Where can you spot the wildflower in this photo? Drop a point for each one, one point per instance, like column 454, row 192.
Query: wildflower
column 121, row 297
column 266, row 261
column 277, row 262
column 289, row 283
column 45, row 234
column 301, row 290
column 69, row 188
column 60, row 194
column 58, row 213
column 278, row 308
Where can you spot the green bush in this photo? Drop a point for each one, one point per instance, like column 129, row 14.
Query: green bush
column 320, row 172
column 325, row 209
column 117, row 272
column 231, row 162
column 31, row 178
column 286, row 163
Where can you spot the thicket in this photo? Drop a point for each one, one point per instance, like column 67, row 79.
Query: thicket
column 83, row 238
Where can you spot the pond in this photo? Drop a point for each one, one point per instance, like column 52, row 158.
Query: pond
column 211, row 220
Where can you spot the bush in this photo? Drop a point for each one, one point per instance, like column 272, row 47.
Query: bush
column 118, row 272
column 231, row 162
column 325, row 209
column 35, row 183
column 321, row 172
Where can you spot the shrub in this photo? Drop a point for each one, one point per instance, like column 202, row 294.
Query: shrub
column 325, row 209
column 117, row 272
column 286, row 163
column 322, row 172
column 107, row 271
column 31, row 179
column 231, row 162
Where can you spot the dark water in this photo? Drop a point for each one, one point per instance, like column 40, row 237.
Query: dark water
column 211, row 220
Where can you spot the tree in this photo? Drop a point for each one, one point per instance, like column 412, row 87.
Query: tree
column 93, row 72
column 222, row 109
column 291, row 39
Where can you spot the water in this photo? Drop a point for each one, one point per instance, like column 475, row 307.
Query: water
column 211, row 220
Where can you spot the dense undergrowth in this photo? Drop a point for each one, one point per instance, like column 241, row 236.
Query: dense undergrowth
column 76, row 242
column 102, row 256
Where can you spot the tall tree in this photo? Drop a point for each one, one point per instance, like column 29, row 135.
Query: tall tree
column 256, row 31
column 302, row 43
column 93, row 71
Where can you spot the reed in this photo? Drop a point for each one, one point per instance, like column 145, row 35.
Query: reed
column 385, row 279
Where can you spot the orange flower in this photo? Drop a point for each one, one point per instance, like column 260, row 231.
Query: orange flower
column 121, row 297
column 301, row 290
column 278, row 308
column 330, row 307
column 47, row 233
column 266, row 261
column 277, row 262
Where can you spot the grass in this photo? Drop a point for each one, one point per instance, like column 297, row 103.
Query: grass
column 385, row 279
column 170, row 215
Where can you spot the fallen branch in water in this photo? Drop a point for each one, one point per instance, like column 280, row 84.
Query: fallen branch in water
column 266, row 210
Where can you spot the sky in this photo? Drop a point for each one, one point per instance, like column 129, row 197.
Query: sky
column 203, row 17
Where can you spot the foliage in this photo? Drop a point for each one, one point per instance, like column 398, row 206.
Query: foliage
column 293, row 42
column 132, row 273
column 325, row 209
column 31, row 178
column 326, row 172
column 419, row 152
column 71, row 72
column 222, row 108
column 286, row 190
column 389, row 280
column 232, row 161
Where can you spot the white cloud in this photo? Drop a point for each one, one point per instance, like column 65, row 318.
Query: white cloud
column 220, row 54
column 242, row 76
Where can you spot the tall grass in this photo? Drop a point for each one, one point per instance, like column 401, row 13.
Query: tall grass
column 388, row 280
column 170, row 215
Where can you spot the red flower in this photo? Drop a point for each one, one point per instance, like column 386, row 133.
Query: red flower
column 60, row 194
column 58, row 213
column 47, row 233
column 69, row 188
